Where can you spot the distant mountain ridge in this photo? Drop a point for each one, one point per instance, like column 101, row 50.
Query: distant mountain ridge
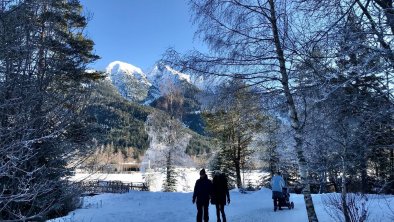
column 137, row 86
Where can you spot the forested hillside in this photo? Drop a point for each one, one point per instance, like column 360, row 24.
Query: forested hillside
column 119, row 124
column 117, row 121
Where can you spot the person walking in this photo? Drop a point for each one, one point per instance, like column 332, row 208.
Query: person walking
column 202, row 192
column 277, row 184
column 219, row 194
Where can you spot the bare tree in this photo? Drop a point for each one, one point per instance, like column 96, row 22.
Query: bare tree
column 259, row 41
column 173, row 99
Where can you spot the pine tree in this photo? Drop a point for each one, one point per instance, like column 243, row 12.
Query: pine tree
column 233, row 121
column 170, row 181
column 43, row 86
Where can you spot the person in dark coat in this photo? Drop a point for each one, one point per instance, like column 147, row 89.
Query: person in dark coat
column 202, row 192
column 219, row 194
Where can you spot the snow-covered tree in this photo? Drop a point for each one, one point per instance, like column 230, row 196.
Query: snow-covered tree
column 350, row 108
column 168, row 142
column 43, row 85
column 170, row 181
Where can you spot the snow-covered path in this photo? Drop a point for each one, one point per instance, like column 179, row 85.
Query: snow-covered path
column 177, row 207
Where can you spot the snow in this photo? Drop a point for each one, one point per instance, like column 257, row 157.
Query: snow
column 163, row 74
column 182, row 76
column 118, row 66
column 177, row 207
column 90, row 71
column 117, row 69
column 130, row 81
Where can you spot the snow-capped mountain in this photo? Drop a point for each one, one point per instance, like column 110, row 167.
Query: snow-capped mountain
column 134, row 85
column 130, row 81
column 164, row 73
column 161, row 74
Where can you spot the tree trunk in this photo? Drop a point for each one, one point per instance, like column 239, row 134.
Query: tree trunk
column 238, row 175
column 237, row 164
column 392, row 162
column 334, row 182
column 322, row 188
column 273, row 165
column 364, row 175
column 303, row 167
column 344, row 192
column 364, row 179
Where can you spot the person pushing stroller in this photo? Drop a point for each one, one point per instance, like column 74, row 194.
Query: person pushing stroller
column 277, row 185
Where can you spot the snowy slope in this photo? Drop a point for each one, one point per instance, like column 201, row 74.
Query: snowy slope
column 177, row 207
column 162, row 74
column 163, row 79
column 128, row 69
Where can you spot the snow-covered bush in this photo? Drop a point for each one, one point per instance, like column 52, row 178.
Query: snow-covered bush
column 355, row 205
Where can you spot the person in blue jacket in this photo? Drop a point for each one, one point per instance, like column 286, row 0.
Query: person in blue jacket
column 277, row 184
column 202, row 192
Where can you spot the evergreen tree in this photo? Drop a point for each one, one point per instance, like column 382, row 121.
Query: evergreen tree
column 170, row 181
column 233, row 120
column 43, row 86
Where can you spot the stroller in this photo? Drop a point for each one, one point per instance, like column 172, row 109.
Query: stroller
column 285, row 200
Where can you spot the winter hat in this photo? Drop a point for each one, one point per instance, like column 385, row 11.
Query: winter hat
column 202, row 172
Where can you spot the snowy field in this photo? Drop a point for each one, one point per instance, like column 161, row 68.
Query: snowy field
column 177, row 207
column 186, row 177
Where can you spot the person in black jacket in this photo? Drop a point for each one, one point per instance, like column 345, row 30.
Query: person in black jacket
column 219, row 194
column 202, row 192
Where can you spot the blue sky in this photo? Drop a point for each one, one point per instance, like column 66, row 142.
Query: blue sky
column 138, row 31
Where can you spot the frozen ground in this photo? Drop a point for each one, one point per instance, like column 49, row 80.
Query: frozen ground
column 177, row 207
